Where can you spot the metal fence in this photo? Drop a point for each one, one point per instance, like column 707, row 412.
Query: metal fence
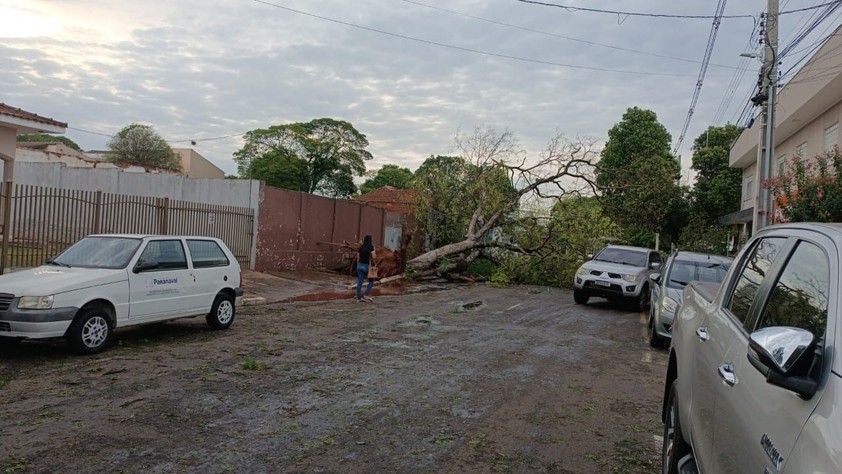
column 40, row 222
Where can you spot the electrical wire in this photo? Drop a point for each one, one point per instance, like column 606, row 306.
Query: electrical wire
column 555, row 35
column 468, row 50
column 666, row 15
column 739, row 74
column 714, row 29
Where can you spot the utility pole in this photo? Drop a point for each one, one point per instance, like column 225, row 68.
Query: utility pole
column 769, row 73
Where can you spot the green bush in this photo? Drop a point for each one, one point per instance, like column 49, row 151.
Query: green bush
column 809, row 190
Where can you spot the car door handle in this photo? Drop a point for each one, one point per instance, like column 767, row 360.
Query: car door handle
column 703, row 334
column 726, row 372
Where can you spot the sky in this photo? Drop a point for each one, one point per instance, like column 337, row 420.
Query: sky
column 409, row 74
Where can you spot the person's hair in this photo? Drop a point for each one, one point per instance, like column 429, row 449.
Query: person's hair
column 367, row 245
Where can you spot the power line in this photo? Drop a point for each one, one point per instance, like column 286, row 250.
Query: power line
column 667, row 15
column 92, row 133
column 193, row 140
column 714, row 29
column 622, row 13
column 555, row 35
column 737, row 78
column 469, row 50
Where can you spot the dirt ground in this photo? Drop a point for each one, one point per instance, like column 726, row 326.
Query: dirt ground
column 471, row 378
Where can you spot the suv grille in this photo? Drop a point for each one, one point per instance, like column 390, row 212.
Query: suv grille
column 615, row 275
column 596, row 272
column 5, row 301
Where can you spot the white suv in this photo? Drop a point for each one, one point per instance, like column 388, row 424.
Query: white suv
column 618, row 273
column 107, row 281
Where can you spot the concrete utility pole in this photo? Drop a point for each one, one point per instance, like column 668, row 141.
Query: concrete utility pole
column 769, row 73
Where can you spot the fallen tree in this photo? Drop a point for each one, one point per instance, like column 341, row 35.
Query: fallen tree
column 490, row 193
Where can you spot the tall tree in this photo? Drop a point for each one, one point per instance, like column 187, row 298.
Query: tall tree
column 718, row 187
column 38, row 137
column 497, row 177
column 637, row 175
column 443, row 214
column 140, row 145
column 321, row 156
column 388, row 175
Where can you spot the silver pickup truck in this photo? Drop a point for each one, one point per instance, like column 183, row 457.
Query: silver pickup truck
column 753, row 380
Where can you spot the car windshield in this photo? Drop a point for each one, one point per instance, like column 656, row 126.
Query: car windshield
column 683, row 272
column 622, row 256
column 98, row 252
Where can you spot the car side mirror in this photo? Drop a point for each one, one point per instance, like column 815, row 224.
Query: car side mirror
column 655, row 277
column 589, row 257
column 655, row 266
column 785, row 356
column 141, row 267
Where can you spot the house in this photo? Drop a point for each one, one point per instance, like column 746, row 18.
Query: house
column 193, row 165
column 807, row 115
column 14, row 121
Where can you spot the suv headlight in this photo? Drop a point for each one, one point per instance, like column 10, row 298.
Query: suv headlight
column 35, row 302
column 669, row 305
column 582, row 271
column 631, row 278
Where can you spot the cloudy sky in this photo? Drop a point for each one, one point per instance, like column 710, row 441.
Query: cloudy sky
column 407, row 73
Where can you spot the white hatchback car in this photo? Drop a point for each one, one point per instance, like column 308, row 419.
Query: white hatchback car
column 103, row 282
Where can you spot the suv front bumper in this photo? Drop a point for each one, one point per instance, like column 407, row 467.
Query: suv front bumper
column 611, row 289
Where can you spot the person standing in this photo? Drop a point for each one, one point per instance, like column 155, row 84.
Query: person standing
column 364, row 261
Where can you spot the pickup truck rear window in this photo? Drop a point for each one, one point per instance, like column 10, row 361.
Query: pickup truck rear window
column 754, row 269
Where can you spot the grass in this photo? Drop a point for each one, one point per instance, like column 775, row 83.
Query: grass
column 250, row 364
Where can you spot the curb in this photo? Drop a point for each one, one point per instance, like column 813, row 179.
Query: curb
column 253, row 300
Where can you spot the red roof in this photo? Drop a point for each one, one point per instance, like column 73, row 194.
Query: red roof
column 10, row 111
column 391, row 199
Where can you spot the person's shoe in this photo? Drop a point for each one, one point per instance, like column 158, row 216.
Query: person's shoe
column 368, row 298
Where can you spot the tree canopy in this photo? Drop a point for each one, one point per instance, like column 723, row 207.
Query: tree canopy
column 388, row 175
column 39, row 137
column 140, row 145
column 321, row 156
column 718, row 187
column 471, row 203
column 637, row 174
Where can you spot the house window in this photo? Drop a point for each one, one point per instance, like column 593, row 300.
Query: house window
column 801, row 150
column 781, row 165
column 749, row 189
column 831, row 136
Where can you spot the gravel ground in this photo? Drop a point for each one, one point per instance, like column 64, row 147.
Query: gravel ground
column 467, row 379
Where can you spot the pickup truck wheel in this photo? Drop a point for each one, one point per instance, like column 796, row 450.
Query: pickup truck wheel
column 641, row 303
column 222, row 312
column 580, row 297
column 90, row 332
column 675, row 447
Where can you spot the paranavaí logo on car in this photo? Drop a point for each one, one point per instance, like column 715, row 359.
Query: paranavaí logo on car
column 156, row 282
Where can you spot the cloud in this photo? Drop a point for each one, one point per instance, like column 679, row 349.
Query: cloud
column 203, row 69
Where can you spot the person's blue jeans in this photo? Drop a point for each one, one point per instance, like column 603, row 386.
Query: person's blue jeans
column 362, row 273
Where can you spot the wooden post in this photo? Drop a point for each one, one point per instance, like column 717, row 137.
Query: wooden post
column 164, row 223
column 97, row 213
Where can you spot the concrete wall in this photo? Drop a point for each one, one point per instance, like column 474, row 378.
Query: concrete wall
column 8, row 140
column 228, row 192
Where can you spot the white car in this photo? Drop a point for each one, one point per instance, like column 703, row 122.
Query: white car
column 103, row 282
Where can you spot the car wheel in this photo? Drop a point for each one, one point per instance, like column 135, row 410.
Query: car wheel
column 641, row 303
column 654, row 339
column 90, row 332
column 675, row 447
column 580, row 297
column 222, row 312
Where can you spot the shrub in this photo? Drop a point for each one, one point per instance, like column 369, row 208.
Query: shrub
column 809, row 190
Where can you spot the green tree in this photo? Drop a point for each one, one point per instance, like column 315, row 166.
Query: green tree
column 140, row 145
column 37, row 137
column 576, row 227
column 388, row 175
column 321, row 156
column 718, row 186
column 471, row 204
column 637, row 174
